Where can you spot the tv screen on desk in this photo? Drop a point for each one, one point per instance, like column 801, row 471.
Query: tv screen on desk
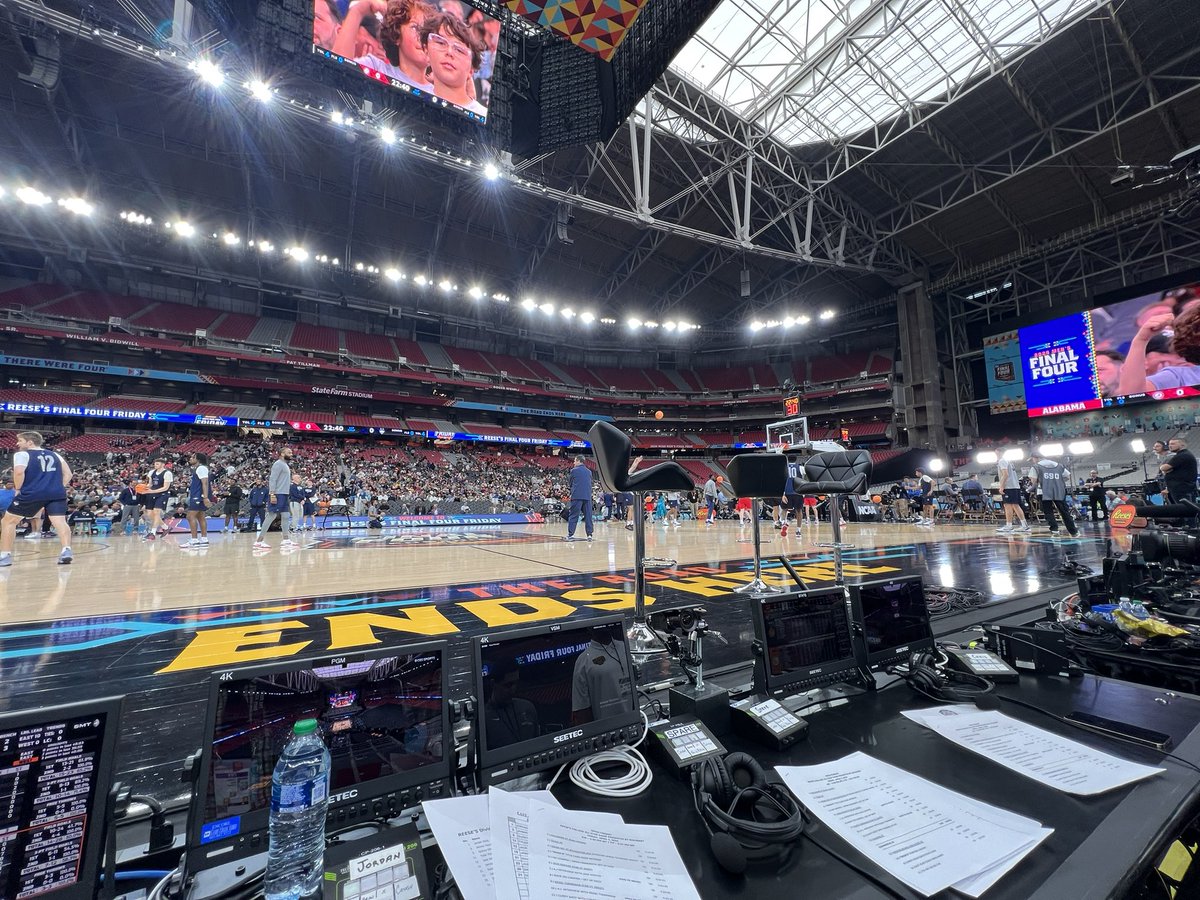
column 441, row 52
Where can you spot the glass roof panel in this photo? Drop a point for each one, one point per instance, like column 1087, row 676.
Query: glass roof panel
column 819, row 70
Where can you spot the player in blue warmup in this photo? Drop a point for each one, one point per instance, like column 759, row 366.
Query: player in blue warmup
column 41, row 477
column 200, row 498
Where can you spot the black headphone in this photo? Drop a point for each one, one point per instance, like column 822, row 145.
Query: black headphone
column 926, row 678
column 747, row 818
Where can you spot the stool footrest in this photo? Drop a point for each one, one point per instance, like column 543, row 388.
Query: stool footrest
column 651, row 562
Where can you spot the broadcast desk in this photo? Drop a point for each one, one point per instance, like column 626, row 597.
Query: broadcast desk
column 1101, row 846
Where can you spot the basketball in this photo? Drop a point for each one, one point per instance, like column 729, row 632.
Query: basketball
column 141, row 489
column 720, row 479
column 658, row 414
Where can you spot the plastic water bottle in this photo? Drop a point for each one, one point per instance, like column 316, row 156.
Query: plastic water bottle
column 299, row 799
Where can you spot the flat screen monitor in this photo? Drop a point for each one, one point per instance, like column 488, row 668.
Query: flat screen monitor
column 439, row 52
column 893, row 619
column 56, row 770
column 805, row 641
column 551, row 694
column 382, row 714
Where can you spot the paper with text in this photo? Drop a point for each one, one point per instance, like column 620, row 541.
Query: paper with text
column 573, row 857
column 1036, row 753
column 926, row 836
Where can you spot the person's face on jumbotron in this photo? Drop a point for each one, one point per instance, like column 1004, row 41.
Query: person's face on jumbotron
column 1108, row 371
column 325, row 26
column 449, row 59
column 412, row 54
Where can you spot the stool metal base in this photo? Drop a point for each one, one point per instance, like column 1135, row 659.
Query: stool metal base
column 642, row 641
column 837, row 545
column 758, row 586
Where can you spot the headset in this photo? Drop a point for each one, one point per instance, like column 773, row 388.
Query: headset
column 924, row 677
column 746, row 817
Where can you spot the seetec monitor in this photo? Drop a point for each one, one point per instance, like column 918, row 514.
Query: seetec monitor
column 552, row 694
column 56, row 771
column 382, row 714
column 804, row 642
column 893, row 619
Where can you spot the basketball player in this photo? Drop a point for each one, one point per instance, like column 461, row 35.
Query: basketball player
column 40, row 478
column 200, row 498
column 1010, row 489
column 279, row 485
column 155, row 497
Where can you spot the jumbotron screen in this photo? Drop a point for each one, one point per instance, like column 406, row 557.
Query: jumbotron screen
column 437, row 51
column 1140, row 350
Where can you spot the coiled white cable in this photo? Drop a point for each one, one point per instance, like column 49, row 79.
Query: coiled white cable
column 628, row 784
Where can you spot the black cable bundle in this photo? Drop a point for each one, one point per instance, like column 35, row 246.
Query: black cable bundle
column 943, row 601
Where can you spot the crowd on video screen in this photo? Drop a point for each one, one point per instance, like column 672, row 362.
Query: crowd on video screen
column 1150, row 343
column 444, row 48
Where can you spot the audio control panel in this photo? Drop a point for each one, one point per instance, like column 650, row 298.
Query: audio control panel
column 568, row 751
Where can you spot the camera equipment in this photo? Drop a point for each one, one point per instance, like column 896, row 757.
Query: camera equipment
column 685, row 629
column 747, row 818
column 1161, row 546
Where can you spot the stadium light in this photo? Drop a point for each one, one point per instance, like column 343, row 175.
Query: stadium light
column 634, row 323
column 547, row 308
column 491, row 171
column 1015, row 454
column 607, row 321
column 668, row 326
column 299, row 254
column 77, row 205
column 756, row 325
column 803, row 320
column 387, row 135
column 567, row 312
column 260, row 91
column 789, row 321
column 183, row 229
column 587, row 317
column 337, row 117
column 265, row 246
column 392, row 274
column 420, row 281
column 32, row 196
column 529, row 304
column 827, row 314
column 475, row 292
column 1051, row 450
column 1080, row 448
column 210, row 73
column 986, row 457
column 230, row 239
column 936, row 464
column 1137, row 445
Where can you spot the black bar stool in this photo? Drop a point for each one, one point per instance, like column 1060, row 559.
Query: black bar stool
column 612, row 449
column 836, row 473
column 758, row 475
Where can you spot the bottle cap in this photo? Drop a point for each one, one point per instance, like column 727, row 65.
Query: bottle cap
column 305, row 726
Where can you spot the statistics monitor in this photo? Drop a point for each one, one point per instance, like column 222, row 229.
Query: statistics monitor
column 56, row 771
column 803, row 641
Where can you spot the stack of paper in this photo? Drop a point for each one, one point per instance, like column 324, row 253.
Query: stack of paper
column 1045, row 757
column 922, row 834
column 517, row 846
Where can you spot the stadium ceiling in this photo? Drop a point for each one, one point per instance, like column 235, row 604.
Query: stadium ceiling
column 794, row 154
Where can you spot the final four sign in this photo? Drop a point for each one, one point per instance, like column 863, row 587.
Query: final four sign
column 1058, row 360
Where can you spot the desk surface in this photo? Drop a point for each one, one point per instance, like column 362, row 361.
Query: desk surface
column 1099, row 846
